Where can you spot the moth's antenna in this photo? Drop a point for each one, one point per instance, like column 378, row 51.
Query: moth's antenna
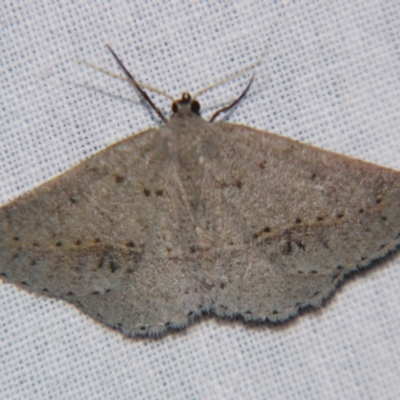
column 233, row 104
column 235, row 75
column 132, row 80
column 122, row 78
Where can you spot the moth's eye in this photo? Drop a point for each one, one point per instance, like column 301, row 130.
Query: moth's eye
column 195, row 107
column 174, row 107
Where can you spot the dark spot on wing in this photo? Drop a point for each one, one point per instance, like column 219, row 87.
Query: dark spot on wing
column 287, row 248
column 101, row 263
column 339, row 215
column 300, row 245
column 159, row 192
column 78, row 242
column 239, row 184
column 146, row 192
column 264, row 230
column 320, row 218
column 59, row 243
column 119, row 178
column 16, row 238
column 113, row 266
column 73, row 199
column 130, row 244
column 298, row 221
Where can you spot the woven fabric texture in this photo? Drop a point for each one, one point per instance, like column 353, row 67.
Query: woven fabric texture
column 331, row 78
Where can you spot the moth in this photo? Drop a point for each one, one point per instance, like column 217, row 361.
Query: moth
column 199, row 217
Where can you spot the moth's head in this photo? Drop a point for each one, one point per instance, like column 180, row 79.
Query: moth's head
column 185, row 106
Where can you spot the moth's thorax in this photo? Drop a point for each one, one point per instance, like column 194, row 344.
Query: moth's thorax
column 184, row 123
column 187, row 139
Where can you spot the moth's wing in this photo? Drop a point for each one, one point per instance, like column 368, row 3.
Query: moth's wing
column 107, row 237
column 293, row 220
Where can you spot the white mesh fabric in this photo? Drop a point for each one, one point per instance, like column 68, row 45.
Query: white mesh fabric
column 330, row 78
